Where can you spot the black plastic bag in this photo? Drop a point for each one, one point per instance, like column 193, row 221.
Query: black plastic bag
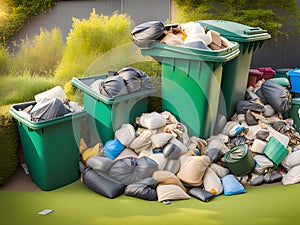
column 135, row 79
column 243, row 106
column 144, row 34
column 201, row 194
column 277, row 96
column 113, row 86
column 145, row 189
column 50, row 109
column 273, row 177
column 102, row 184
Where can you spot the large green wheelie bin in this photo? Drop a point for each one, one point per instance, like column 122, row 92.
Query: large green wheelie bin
column 105, row 115
column 235, row 72
column 50, row 147
column 191, row 81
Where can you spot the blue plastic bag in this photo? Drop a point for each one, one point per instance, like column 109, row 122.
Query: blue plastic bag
column 231, row 186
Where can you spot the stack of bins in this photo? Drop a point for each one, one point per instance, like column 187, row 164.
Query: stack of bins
column 235, row 72
column 105, row 115
column 191, row 83
column 50, row 147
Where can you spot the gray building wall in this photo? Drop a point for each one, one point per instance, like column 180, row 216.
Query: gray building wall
column 60, row 16
column 282, row 53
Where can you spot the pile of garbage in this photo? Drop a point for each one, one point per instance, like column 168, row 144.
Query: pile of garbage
column 190, row 34
column 50, row 104
column 155, row 159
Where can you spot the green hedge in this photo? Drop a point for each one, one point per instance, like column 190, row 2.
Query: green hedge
column 17, row 13
column 9, row 146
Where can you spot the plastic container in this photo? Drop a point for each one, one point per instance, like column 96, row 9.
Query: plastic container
column 253, row 77
column 50, row 147
column 294, row 112
column 191, row 83
column 295, row 80
column 282, row 73
column 235, row 72
column 105, row 115
column 284, row 82
column 239, row 160
column 267, row 72
column 275, row 151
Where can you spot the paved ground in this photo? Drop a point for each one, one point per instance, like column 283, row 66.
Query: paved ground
column 20, row 182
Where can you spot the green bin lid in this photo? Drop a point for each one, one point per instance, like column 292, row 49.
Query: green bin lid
column 236, row 31
column 295, row 101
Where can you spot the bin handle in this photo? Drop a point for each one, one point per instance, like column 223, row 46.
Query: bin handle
column 255, row 30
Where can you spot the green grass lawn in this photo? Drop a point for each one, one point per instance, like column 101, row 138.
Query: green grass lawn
column 76, row 204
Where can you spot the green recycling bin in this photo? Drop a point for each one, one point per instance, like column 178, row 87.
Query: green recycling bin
column 294, row 112
column 50, row 148
column 105, row 115
column 235, row 72
column 191, row 81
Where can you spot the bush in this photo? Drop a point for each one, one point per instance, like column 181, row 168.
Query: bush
column 88, row 39
column 16, row 14
column 4, row 61
column 269, row 15
column 15, row 89
column 9, row 148
column 41, row 54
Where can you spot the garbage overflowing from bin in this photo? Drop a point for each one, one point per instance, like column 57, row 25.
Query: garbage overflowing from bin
column 154, row 158
column 49, row 130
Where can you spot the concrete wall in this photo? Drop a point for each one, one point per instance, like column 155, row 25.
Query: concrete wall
column 62, row 13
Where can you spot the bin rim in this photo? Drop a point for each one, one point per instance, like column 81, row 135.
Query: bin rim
column 222, row 55
column 39, row 125
column 77, row 82
column 243, row 34
column 229, row 159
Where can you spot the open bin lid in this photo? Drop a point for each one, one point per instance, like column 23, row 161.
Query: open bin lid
column 235, row 31
column 158, row 49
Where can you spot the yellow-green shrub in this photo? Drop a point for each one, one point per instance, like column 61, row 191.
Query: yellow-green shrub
column 88, row 39
column 41, row 54
column 9, row 147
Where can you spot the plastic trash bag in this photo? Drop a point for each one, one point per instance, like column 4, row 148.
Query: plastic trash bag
column 273, row 177
column 214, row 154
column 131, row 170
column 126, row 134
column 201, row 194
column 232, row 186
column 167, row 177
column 113, row 148
column 212, row 182
column 47, row 110
column 160, row 139
column 262, row 163
column 292, row 176
column 219, row 170
column 135, row 79
column 146, row 33
column 291, row 160
column 277, row 96
column 99, row 164
column 144, row 189
column 152, row 120
column 257, row 180
column 171, row 192
column 112, row 87
column 244, row 105
column 193, row 169
column 102, row 184
column 55, row 92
